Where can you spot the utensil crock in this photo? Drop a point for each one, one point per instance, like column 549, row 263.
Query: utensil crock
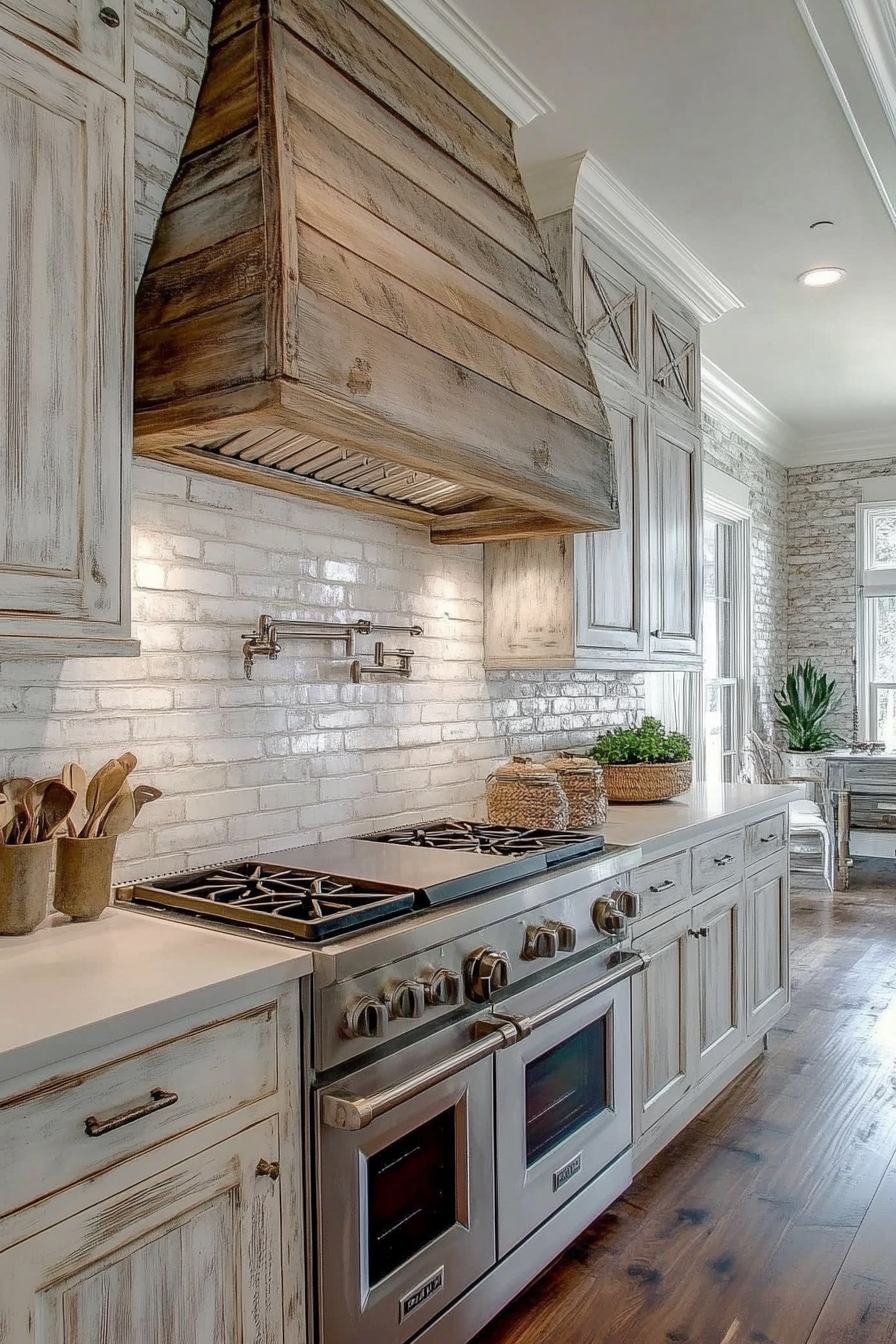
column 84, row 875
column 24, row 886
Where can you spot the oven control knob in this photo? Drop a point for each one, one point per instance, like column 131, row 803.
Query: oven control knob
column 542, row 940
column 629, row 902
column 566, row 935
column 442, row 988
column 404, row 999
column 366, row 1017
column 486, row 972
column 607, row 917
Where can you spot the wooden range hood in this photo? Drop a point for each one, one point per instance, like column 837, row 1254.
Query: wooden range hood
column 348, row 298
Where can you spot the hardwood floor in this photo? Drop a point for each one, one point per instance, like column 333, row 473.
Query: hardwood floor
column 772, row 1219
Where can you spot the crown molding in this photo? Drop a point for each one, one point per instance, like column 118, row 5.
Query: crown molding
column 453, row 36
column 727, row 401
column 866, row 88
column 605, row 203
column 862, row 445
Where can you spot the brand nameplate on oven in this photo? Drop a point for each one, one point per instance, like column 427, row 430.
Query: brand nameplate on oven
column 422, row 1293
column 572, row 1168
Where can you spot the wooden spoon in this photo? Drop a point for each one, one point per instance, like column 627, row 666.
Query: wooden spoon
column 74, row 777
column 101, row 793
column 7, row 812
column 55, row 807
column 143, row 794
column 128, row 760
column 120, row 816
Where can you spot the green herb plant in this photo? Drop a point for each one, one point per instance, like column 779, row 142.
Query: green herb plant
column 807, row 700
column 649, row 744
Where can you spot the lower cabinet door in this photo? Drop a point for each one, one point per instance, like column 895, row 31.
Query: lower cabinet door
column 768, row 947
column 718, row 926
column 190, row 1256
column 663, row 1021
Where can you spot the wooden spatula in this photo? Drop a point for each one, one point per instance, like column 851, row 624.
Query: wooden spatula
column 143, row 794
column 120, row 816
column 101, row 793
column 55, row 808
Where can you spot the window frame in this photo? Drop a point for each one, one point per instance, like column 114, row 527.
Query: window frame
column 872, row 581
column 723, row 509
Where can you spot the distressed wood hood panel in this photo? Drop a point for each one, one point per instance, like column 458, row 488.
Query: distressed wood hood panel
column 348, row 297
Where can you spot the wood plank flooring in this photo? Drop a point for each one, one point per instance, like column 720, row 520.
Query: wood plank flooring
column 772, row 1218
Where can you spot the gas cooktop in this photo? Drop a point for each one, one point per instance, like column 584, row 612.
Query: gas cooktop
column 271, row 898
column 483, row 837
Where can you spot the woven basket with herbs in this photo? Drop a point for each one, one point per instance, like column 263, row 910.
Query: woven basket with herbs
column 582, row 780
column 644, row 764
column 522, row 793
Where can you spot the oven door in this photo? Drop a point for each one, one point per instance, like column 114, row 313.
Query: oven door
column 564, row 1096
column 406, row 1204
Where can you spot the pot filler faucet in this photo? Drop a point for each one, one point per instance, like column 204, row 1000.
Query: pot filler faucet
column 265, row 643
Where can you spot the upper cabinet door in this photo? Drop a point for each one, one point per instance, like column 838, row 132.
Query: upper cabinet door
column 613, row 316
column 64, row 389
column 90, row 33
column 674, row 368
column 611, row 567
column 675, row 506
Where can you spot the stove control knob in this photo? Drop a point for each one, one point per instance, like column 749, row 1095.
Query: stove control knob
column 629, row 902
column 442, row 988
column 566, row 935
column 542, row 940
column 607, row 917
column 366, row 1017
column 404, row 999
column 486, row 972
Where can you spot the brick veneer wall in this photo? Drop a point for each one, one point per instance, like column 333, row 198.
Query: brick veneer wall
column 767, row 481
column 821, row 526
column 298, row 752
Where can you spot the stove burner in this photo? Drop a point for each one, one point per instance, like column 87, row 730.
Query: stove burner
column 475, row 837
column 301, row 904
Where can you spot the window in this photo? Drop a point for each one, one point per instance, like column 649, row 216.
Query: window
column 876, row 682
column 726, row 628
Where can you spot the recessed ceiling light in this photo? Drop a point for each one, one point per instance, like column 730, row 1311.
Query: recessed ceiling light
column 821, row 275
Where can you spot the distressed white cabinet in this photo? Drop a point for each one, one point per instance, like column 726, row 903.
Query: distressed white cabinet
column 190, row 1255
column 718, row 977
column 768, row 946
column 630, row 598
column 65, row 337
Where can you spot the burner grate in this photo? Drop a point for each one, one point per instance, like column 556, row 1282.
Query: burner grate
column 475, row 837
column 294, row 902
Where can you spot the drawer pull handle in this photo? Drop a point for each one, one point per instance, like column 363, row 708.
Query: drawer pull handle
column 724, row 860
column 698, row 933
column 93, row 1127
column 109, row 17
column 663, row 886
column 767, row 839
column 266, row 1168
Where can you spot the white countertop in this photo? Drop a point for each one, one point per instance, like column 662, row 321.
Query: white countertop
column 68, row 988
column 704, row 809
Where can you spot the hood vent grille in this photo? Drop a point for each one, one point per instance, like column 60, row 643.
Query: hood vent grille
column 348, row 297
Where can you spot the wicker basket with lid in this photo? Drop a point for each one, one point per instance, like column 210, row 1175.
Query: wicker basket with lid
column 522, row 793
column 582, row 780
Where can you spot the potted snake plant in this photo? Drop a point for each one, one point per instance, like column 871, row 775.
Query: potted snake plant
column 807, row 702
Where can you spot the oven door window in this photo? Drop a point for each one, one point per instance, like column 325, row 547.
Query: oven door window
column 565, row 1088
column 411, row 1194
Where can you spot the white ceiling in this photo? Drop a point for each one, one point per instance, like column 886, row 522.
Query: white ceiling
column 721, row 117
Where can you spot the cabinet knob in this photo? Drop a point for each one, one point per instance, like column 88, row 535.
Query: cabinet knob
column 266, row 1168
column 110, row 17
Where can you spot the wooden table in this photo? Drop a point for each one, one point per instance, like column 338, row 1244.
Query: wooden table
column 862, row 792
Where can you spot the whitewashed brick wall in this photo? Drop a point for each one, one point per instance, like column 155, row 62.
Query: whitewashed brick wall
column 767, row 481
column 299, row 752
column 822, row 569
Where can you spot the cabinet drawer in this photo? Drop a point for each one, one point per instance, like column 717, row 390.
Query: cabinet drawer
column 72, row 30
column 765, row 837
column 663, row 882
column 718, row 860
column 76, row 1126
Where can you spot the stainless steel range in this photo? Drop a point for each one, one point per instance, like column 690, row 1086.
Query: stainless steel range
column 468, row 1046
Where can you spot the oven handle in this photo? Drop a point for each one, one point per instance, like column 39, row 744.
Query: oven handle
column 632, row 964
column 343, row 1110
